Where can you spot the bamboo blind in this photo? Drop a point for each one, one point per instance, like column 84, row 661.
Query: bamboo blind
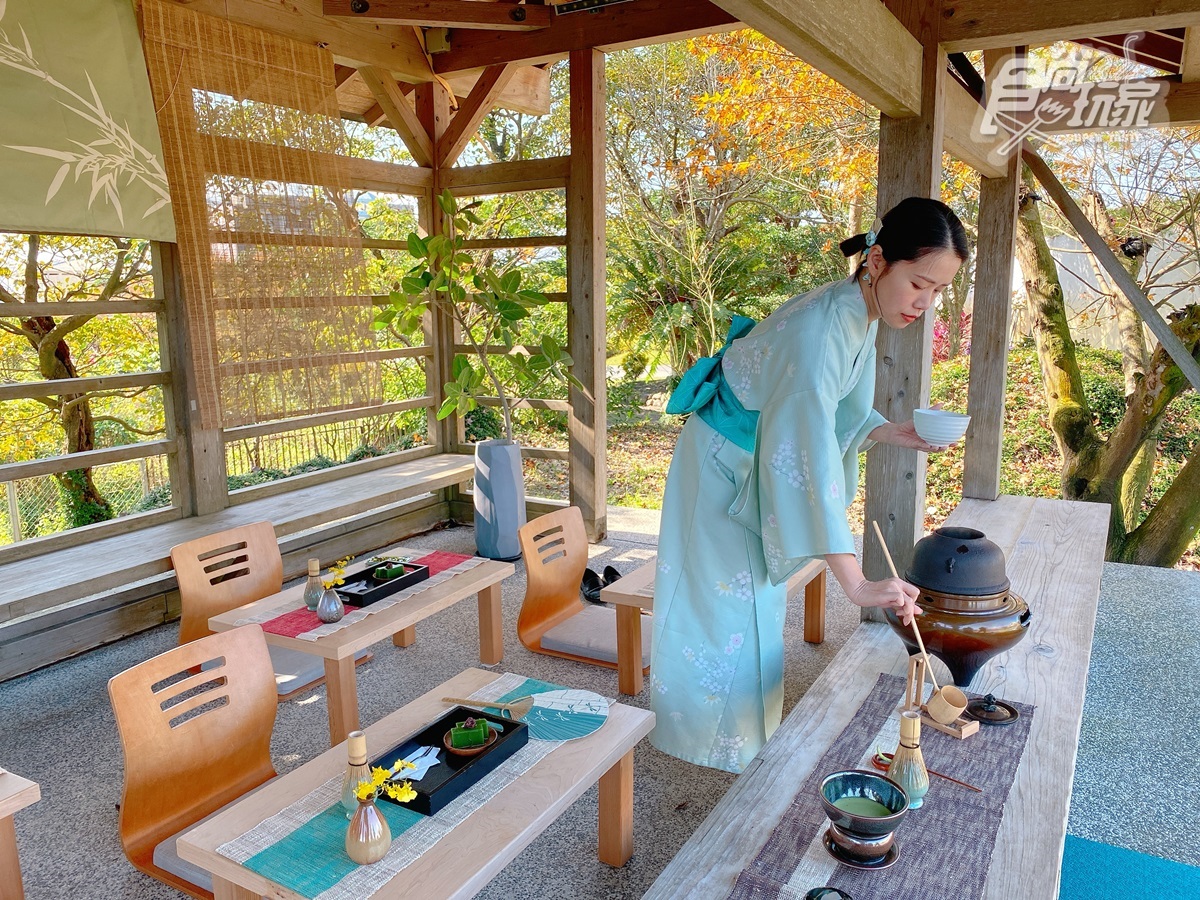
column 269, row 243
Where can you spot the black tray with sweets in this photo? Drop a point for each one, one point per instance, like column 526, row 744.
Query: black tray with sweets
column 453, row 774
column 363, row 588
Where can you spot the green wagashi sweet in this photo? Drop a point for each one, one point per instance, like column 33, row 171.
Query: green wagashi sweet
column 470, row 733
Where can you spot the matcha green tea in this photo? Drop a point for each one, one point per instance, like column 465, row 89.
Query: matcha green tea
column 862, row 806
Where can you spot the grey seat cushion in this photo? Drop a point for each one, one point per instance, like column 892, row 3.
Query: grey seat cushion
column 592, row 632
column 166, row 854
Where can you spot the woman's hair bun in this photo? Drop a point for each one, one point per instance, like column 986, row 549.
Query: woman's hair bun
column 852, row 246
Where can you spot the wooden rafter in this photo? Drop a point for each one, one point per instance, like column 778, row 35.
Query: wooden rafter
column 391, row 46
column 400, row 115
column 443, row 13
column 1157, row 49
column 631, row 24
column 987, row 24
column 472, row 111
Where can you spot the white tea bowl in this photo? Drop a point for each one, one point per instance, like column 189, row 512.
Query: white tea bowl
column 940, row 427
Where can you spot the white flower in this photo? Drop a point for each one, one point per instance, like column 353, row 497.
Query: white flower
column 724, row 588
column 772, row 521
column 664, row 567
column 833, row 490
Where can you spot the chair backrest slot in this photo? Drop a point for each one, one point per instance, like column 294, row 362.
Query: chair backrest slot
column 555, row 550
column 220, row 551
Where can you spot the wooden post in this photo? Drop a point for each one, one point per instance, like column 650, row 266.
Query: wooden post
column 433, row 109
column 991, row 320
column 197, row 469
column 14, row 511
column 910, row 164
column 586, row 339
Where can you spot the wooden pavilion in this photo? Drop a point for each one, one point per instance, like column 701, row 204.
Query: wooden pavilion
column 397, row 64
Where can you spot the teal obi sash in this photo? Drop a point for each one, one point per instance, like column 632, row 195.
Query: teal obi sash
column 704, row 391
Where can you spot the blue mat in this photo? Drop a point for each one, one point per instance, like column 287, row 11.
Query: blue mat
column 1093, row 871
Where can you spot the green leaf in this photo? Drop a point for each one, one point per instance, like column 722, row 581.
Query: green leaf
column 550, row 347
column 416, row 246
column 463, row 259
column 412, row 285
column 510, row 311
column 447, row 202
column 472, row 218
column 461, row 364
column 533, row 298
column 511, row 280
column 447, row 407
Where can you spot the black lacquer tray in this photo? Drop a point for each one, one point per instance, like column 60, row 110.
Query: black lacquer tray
column 364, row 589
column 453, row 774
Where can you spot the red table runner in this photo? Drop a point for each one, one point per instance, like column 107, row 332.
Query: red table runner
column 298, row 621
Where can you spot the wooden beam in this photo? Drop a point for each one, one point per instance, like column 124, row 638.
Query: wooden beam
column 50, row 465
column 1121, row 278
column 989, row 24
column 79, row 308
column 884, row 76
column 587, row 426
column 23, row 390
column 611, row 27
column 1171, row 104
column 473, row 110
column 400, row 115
column 910, row 164
column 1189, row 65
column 445, row 14
column 352, row 43
column 273, row 162
column 507, row 177
column 991, row 318
column 963, row 139
column 527, row 91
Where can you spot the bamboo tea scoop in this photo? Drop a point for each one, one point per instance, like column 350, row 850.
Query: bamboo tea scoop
column 945, row 703
column 518, row 708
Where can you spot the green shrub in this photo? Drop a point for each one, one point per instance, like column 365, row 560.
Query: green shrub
column 483, row 423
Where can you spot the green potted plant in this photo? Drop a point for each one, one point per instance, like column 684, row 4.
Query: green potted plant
column 490, row 308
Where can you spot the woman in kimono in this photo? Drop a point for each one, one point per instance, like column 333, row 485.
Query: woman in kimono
column 761, row 478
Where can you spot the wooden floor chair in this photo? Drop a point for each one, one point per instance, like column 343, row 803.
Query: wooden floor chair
column 223, row 571
column 194, row 741
column 554, row 619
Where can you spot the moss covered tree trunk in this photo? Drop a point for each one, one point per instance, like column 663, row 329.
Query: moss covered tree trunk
column 1095, row 468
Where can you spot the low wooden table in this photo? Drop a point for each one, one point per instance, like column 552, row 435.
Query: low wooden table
column 16, row 793
column 633, row 593
column 464, row 861
column 1054, row 551
column 397, row 622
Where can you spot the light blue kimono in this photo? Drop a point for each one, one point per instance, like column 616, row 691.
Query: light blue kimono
column 737, row 524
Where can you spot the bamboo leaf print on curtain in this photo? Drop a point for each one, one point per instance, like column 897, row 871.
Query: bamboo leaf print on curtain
column 79, row 145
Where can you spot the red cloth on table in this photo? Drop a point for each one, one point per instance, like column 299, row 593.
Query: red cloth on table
column 296, row 622
column 440, row 561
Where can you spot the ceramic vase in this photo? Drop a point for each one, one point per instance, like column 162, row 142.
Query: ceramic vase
column 499, row 499
column 329, row 607
column 368, row 837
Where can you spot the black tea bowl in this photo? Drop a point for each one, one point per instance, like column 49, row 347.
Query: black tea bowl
column 870, row 786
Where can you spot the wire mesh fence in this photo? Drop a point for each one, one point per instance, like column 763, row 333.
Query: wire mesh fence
column 35, row 507
column 273, row 456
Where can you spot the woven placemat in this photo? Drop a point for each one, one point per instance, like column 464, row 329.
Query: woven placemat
column 442, row 567
column 945, row 847
column 302, row 846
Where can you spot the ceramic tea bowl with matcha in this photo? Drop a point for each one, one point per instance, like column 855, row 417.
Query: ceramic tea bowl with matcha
column 864, row 809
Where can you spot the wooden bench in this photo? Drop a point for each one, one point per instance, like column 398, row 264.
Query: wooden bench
column 633, row 594
column 1054, row 551
column 71, row 599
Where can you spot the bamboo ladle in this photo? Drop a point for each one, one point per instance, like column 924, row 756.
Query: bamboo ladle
column 945, row 704
column 517, row 709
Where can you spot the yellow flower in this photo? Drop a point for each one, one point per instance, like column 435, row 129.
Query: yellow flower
column 379, row 775
column 401, row 793
column 365, row 790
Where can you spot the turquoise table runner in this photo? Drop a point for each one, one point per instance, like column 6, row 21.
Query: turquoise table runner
column 302, row 847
